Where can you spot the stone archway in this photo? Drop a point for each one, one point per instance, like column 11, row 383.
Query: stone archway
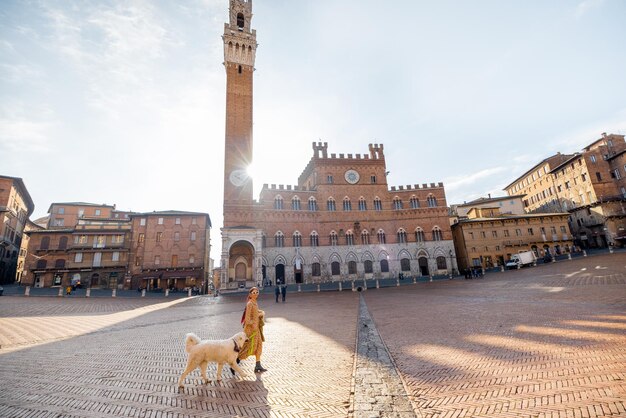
column 241, row 261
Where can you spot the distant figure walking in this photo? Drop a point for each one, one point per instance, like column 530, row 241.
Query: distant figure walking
column 283, row 291
column 277, row 292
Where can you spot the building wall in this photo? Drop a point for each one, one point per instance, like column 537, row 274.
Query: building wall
column 512, row 205
column 538, row 186
column 96, row 255
column 66, row 215
column 489, row 242
column 169, row 249
column 15, row 208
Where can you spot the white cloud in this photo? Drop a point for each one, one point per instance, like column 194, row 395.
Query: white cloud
column 585, row 6
column 21, row 135
column 18, row 73
column 455, row 183
column 579, row 138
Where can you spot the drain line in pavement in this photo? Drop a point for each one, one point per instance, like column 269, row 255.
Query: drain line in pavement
column 378, row 388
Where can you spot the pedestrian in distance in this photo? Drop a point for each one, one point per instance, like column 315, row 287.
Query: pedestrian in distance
column 277, row 292
column 283, row 292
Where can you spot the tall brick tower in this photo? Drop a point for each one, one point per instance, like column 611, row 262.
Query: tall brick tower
column 241, row 241
column 239, row 53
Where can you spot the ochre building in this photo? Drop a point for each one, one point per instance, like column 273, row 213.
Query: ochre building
column 590, row 185
column 341, row 220
column 16, row 206
column 487, row 238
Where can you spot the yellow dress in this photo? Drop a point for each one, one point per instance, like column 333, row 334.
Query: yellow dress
column 253, row 327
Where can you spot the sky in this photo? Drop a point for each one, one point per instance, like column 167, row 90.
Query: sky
column 123, row 101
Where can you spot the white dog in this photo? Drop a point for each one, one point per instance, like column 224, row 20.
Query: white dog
column 201, row 352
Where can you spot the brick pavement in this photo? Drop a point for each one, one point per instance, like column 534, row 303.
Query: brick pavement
column 544, row 341
column 537, row 342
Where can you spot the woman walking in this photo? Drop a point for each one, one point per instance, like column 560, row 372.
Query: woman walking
column 253, row 320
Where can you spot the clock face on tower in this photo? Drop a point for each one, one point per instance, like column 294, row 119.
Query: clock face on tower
column 352, row 176
column 238, row 177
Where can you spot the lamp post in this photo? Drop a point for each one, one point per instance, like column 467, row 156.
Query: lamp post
column 451, row 265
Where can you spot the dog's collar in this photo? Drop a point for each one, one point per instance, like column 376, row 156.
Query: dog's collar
column 236, row 346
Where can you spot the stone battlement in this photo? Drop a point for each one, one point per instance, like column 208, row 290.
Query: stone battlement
column 287, row 187
column 320, row 151
column 409, row 187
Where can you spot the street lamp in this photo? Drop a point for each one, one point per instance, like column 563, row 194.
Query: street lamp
column 450, row 253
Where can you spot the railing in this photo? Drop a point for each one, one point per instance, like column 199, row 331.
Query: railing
column 107, row 246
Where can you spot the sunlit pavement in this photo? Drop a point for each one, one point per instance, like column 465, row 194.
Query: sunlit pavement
column 542, row 341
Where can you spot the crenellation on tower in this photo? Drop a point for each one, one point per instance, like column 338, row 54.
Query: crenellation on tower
column 376, row 151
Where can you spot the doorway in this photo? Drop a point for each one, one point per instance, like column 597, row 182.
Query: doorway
column 423, row 265
column 280, row 274
column 297, row 274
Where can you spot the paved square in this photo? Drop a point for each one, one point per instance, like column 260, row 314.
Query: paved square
column 542, row 341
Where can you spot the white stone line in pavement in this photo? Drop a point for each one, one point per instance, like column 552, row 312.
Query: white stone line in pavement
column 378, row 389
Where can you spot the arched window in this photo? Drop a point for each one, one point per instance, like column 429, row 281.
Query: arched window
column 295, row 203
column 240, row 21
column 347, row 205
column 384, row 266
column 437, row 236
column 351, row 267
column 312, row 204
column 335, row 268
column 314, row 238
column 368, row 266
column 441, row 263
column 349, row 238
column 365, row 237
column 362, row 203
column 381, row 237
column 414, row 202
column 41, row 263
column 59, row 263
column 264, row 241
column 419, row 235
column 397, row 203
column 333, row 238
column 405, row 264
column 330, row 205
column 316, row 271
column 279, row 239
column 278, row 202
column 432, row 201
column 297, row 239
column 401, row 236
column 45, row 243
column 63, row 243
column 378, row 205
